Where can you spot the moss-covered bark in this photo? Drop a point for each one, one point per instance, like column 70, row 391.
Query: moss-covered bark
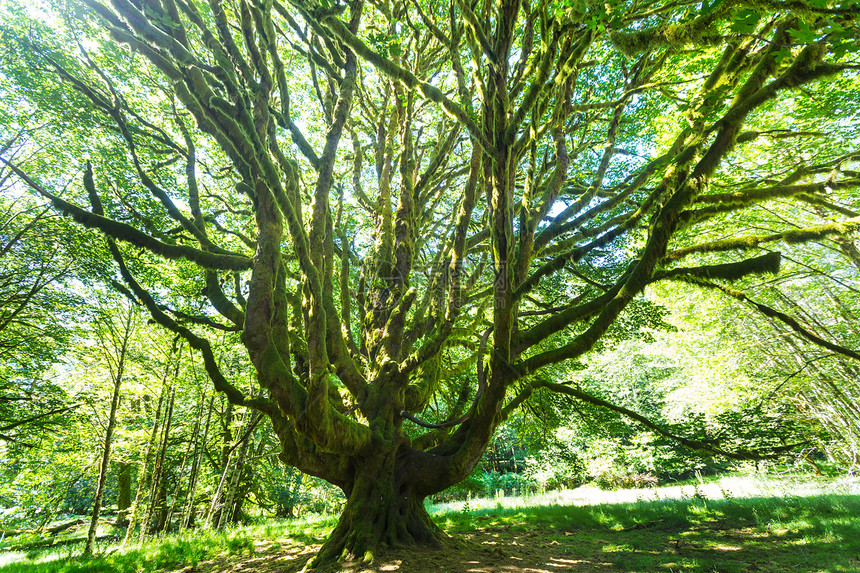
column 382, row 510
column 504, row 238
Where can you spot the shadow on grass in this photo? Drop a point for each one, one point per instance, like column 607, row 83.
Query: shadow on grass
column 754, row 534
column 191, row 550
column 782, row 533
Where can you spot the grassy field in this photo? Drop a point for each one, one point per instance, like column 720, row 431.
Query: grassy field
column 726, row 525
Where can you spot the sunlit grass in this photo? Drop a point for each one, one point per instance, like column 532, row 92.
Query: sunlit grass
column 170, row 551
column 703, row 525
column 710, row 488
column 718, row 525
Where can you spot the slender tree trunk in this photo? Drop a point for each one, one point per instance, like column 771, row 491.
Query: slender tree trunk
column 169, row 515
column 141, row 478
column 200, row 447
column 226, row 434
column 161, row 508
column 211, row 517
column 105, row 465
column 158, row 469
column 236, row 476
column 245, row 482
column 188, row 452
column 123, row 502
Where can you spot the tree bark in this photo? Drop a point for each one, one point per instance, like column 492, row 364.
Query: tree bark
column 157, row 470
column 382, row 509
column 212, row 516
column 105, row 465
column 245, row 484
column 123, row 502
column 338, row 406
column 189, row 451
column 162, row 510
column 226, row 513
column 142, row 475
column 200, row 446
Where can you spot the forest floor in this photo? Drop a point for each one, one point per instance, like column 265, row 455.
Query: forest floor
column 729, row 525
column 725, row 526
column 542, row 549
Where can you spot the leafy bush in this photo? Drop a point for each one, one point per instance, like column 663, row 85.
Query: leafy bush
column 79, row 497
column 322, row 498
column 285, row 490
column 469, row 487
column 509, row 483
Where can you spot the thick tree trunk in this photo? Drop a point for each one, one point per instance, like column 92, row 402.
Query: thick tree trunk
column 381, row 511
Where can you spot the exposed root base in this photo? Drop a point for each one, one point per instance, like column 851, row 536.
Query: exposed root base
column 360, row 537
column 346, row 561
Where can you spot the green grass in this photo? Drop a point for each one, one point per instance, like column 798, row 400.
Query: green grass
column 780, row 531
column 742, row 525
column 168, row 552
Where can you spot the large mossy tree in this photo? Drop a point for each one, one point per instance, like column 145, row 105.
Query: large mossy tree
column 410, row 213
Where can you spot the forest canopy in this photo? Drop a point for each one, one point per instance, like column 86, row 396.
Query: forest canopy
column 417, row 216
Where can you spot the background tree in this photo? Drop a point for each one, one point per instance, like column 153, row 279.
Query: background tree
column 33, row 319
column 800, row 349
column 411, row 212
column 114, row 341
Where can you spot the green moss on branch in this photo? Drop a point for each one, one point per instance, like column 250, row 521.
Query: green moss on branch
column 767, row 263
column 127, row 233
column 793, row 236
